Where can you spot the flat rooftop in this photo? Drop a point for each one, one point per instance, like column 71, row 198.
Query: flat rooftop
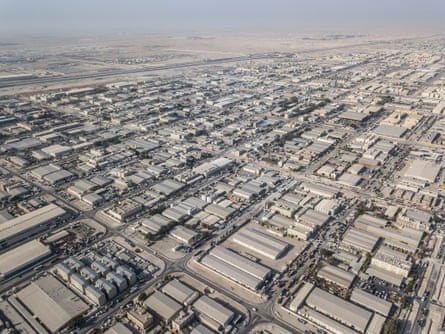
column 52, row 302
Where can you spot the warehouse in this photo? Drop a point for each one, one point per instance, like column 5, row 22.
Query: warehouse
column 404, row 238
column 210, row 168
column 423, row 170
column 392, row 260
column 320, row 190
column 300, row 231
column 371, row 302
column 58, row 177
column 201, row 329
column 281, row 222
column 168, row 187
column 337, row 276
column 219, row 211
column 28, row 224
column 300, row 296
column 416, row 219
column 390, row 131
column 339, row 309
column 174, row 214
column 385, row 275
column 235, row 274
column 180, row 292
column 354, row 116
column 47, row 293
column 261, row 243
column 236, row 267
column 249, row 190
column 163, row 305
column 360, row 240
column 328, row 323
column 156, row 223
column 118, row 328
column 22, row 257
column 350, row 180
column 240, row 262
column 95, row 295
column 376, row 324
column 313, row 218
column 40, row 172
column 284, row 208
column 184, row 235
column 328, row 207
column 207, row 308
column 370, row 220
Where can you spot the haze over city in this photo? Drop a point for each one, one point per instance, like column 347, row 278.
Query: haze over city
column 284, row 16
column 200, row 166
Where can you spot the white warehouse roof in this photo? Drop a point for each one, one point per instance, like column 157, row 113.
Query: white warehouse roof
column 261, row 243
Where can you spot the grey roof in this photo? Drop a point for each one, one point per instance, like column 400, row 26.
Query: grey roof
column 30, row 220
column 213, row 310
column 240, row 262
column 22, row 256
column 336, row 275
column 178, row 291
column 339, row 309
column 118, row 328
column 390, row 131
column 234, row 273
column 328, row 323
column 360, row 240
column 371, row 302
column 201, row 329
column 261, row 243
column 163, row 305
column 423, row 170
column 47, row 293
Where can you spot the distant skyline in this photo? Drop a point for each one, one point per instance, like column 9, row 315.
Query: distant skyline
column 211, row 16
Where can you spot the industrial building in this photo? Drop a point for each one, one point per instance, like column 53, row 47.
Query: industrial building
column 371, row 302
column 180, row 292
column 340, row 277
column 392, row 260
column 423, row 170
column 164, row 306
column 118, row 328
column 300, row 231
column 140, row 318
column 47, row 293
column 328, row 323
column 219, row 211
column 210, row 168
column 405, row 238
column 360, row 240
column 168, row 187
column 22, row 227
column 22, row 257
column 155, row 223
column 95, row 295
column 300, row 296
column 184, row 235
column 320, row 190
column 212, row 313
column 201, row 329
column 339, row 309
column 313, row 218
column 261, row 243
column 385, row 275
column 236, row 267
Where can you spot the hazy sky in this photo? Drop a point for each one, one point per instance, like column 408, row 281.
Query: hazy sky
column 153, row 16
